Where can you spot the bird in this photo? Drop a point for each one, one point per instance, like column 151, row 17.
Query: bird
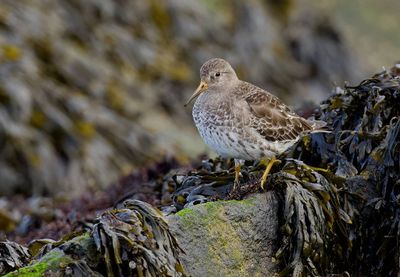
column 239, row 120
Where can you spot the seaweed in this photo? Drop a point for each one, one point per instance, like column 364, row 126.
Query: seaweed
column 130, row 241
column 360, row 156
column 314, row 225
column 12, row 256
column 213, row 180
column 135, row 241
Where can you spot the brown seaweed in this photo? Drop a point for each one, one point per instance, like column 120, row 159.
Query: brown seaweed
column 361, row 154
column 135, row 241
column 12, row 256
column 131, row 241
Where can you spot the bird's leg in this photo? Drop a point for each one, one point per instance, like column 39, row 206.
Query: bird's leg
column 238, row 164
column 228, row 163
column 269, row 165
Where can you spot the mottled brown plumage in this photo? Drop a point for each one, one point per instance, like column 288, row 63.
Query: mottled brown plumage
column 271, row 118
column 240, row 120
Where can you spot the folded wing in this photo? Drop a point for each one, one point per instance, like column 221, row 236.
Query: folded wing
column 271, row 118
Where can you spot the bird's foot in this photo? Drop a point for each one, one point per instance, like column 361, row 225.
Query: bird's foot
column 268, row 165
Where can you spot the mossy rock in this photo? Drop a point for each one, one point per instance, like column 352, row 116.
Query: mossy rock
column 233, row 238
column 44, row 266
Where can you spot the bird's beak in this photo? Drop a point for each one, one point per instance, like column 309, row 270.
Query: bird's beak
column 200, row 89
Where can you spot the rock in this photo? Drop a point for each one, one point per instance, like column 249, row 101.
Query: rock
column 228, row 238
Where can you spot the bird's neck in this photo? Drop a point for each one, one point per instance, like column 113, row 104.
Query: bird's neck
column 226, row 87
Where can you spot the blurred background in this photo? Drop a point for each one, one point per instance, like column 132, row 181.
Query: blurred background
column 91, row 90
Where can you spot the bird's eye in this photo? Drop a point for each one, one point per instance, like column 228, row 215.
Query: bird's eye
column 217, row 74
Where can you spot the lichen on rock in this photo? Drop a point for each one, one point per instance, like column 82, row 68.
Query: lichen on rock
column 228, row 236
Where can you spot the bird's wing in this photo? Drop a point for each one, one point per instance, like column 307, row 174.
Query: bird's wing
column 270, row 117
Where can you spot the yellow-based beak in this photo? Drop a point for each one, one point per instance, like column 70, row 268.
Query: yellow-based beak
column 201, row 88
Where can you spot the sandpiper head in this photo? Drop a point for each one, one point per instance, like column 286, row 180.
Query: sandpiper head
column 214, row 73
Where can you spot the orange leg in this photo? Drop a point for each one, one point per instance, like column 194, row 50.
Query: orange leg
column 238, row 164
column 269, row 165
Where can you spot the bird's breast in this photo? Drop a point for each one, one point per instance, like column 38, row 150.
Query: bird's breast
column 214, row 122
column 224, row 130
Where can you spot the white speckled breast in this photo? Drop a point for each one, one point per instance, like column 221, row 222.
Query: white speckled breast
column 228, row 135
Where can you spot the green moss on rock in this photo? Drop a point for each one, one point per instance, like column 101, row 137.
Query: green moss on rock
column 52, row 260
column 220, row 234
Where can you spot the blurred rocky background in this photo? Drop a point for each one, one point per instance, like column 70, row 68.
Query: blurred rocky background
column 91, row 90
